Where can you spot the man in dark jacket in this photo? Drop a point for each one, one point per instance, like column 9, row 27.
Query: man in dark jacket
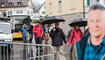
column 92, row 45
column 58, row 37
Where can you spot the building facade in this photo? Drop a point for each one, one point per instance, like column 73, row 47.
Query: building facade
column 42, row 10
column 69, row 10
column 16, row 9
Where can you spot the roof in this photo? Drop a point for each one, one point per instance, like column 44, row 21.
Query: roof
column 3, row 0
column 24, row 2
column 41, row 6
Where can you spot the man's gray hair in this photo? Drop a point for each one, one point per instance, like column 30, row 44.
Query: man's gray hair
column 97, row 6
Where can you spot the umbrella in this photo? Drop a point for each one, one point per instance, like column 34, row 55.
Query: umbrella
column 53, row 19
column 27, row 18
column 81, row 22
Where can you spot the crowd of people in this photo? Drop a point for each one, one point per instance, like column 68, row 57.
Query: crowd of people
column 89, row 46
column 56, row 34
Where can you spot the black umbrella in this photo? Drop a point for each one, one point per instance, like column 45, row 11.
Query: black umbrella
column 28, row 18
column 53, row 19
column 81, row 22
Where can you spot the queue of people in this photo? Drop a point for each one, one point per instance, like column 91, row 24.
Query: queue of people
column 56, row 34
column 88, row 46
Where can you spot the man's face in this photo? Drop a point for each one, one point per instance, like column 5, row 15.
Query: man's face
column 25, row 26
column 96, row 22
column 37, row 23
column 30, row 23
column 77, row 27
column 57, row 25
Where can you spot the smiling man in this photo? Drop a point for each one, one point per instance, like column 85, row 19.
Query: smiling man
column 92, row 46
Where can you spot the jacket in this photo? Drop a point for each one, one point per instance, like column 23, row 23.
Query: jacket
column 75, row 36
column 68, row 35
column 81, row 45
column 38, row 31
column 24, row 32
column 57, row 37
column 45, row 29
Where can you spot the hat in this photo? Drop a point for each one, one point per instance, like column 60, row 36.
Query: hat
column 24, row 24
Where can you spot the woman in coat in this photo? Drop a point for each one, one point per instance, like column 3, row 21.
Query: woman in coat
column 75, row 36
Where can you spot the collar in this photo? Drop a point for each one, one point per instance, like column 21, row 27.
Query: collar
column 103, row 42
column 88, row 41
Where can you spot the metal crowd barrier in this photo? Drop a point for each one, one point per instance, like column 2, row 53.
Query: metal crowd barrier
column 26, row 51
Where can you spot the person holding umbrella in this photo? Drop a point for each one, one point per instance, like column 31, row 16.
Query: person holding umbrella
column 75, row 36
column 58, row 37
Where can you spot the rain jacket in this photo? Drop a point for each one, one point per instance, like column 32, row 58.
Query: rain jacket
column 39, row 30
column 81, row 45
column 75, row 36
column 57, row 37
column 24, row 32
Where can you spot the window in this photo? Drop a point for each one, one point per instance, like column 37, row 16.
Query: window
column 10, row 4
column 43, row 12
column 28, row 12
column 19, row 3
column 30, row 6
column 6, row 3
column 4, row 14
column 90, row 2
column 2, row 4
column 19, row 12
column 9, row 13
column 104, row 1
column 60, row 5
